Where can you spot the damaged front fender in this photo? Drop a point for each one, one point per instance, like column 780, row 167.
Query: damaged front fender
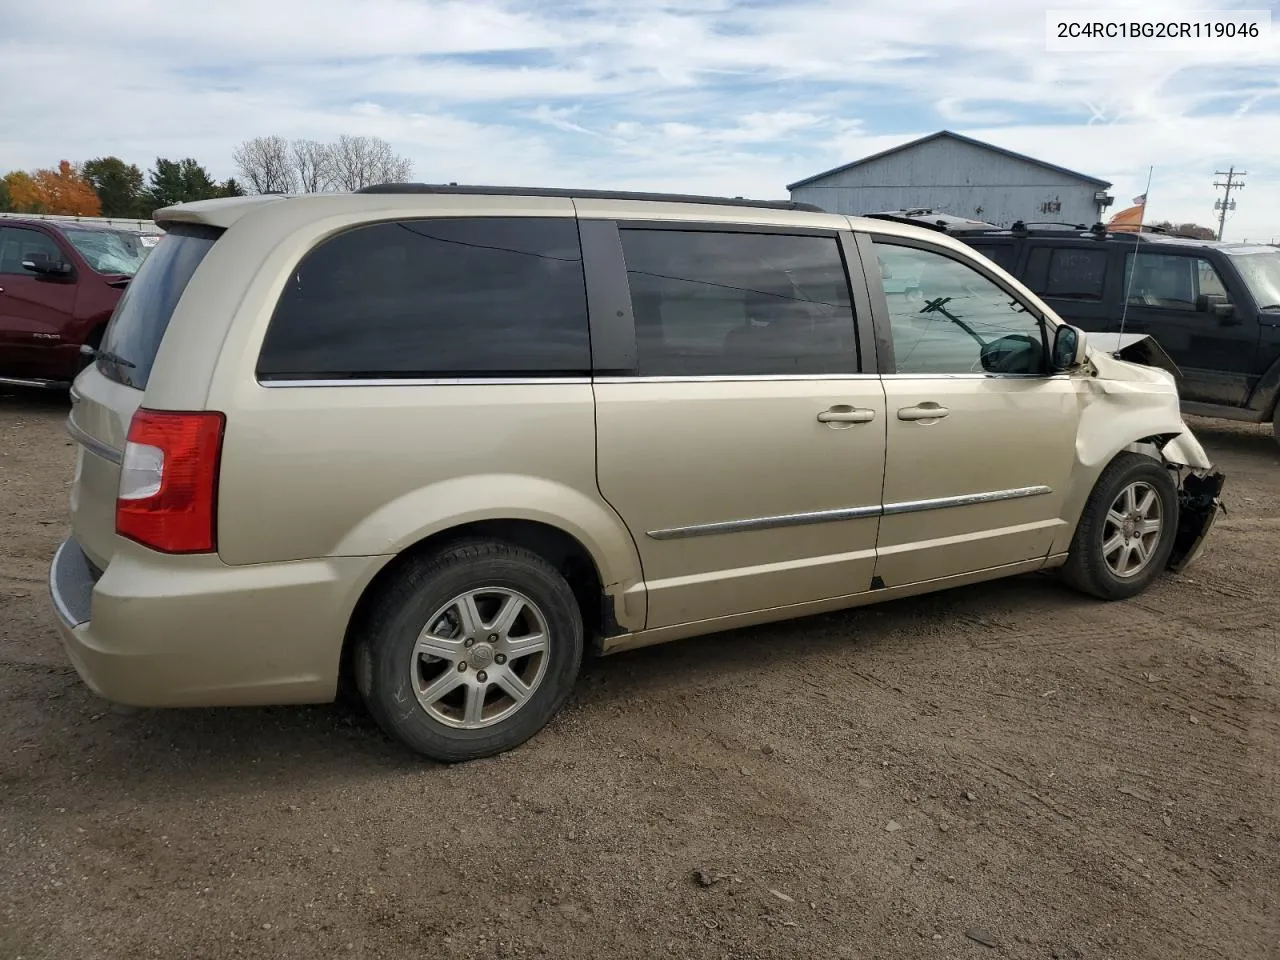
column 1132, row 389
column 1199, row 500
column 1198, row 507
column 1184, row 450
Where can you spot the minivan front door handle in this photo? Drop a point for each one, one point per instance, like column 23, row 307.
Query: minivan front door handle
column 923, row 411
column 846, row 414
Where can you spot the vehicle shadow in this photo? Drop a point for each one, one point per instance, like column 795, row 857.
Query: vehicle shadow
column 34, row 399
column 230, row 751
column 906, row 627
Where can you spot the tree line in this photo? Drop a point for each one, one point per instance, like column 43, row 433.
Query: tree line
column 276, row 165
column 110, row 187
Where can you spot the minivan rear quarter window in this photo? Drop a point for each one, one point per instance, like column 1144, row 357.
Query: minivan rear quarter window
column 464, row 297
column 132, row 337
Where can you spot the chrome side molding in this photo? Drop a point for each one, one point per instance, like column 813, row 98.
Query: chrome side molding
column 845, row 513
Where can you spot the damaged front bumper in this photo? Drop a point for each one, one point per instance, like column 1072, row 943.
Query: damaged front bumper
column 1198, row 506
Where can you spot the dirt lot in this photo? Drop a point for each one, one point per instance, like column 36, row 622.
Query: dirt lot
column 1010, row 763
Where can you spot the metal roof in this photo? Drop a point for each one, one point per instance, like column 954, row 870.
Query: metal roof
column 98, row 223
column 962, row 139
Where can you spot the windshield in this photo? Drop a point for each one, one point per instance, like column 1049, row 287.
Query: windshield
column 109, row 251
column 1261, row 274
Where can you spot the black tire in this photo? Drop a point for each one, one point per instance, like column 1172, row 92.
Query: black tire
column 1086, row 568
column 385, row 661
column 1275, row 423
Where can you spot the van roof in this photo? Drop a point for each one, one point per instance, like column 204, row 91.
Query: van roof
column 224, row 211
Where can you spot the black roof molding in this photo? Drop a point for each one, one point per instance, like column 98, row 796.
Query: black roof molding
column 1105, row 184
column 475, row 190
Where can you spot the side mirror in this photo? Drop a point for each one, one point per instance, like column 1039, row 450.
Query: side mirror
column 1015, row 353
column 1216, row 305
column 41, row 264
column 1068, row 350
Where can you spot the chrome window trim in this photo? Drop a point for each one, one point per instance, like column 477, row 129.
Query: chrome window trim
column 737, row 378
column 977, row 376
column 97, row 447
column 423, row 382
column 614, row 378
column 845, row 513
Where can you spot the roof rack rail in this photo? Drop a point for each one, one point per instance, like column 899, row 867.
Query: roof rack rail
column 1022, row 228
column 469, row 189
column 938, row 225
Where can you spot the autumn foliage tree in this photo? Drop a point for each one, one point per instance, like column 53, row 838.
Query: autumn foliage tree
column 24, row 196
column 63, row 191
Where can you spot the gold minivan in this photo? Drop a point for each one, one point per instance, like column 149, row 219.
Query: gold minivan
column 441, row 441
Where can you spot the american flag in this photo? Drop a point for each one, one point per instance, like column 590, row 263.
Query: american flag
column 1139, row 201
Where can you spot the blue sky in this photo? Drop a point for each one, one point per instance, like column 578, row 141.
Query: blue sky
column 715, row 96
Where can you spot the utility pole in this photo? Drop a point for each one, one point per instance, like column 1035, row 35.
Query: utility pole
column 1226, row 203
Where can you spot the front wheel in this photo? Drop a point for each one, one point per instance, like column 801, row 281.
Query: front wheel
column 1126, row 531
column 471, row 651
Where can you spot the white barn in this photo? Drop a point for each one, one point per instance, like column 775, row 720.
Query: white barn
column 957, row 175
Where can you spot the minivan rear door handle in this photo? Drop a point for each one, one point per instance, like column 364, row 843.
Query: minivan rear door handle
column 923, row 411
column 842, row 413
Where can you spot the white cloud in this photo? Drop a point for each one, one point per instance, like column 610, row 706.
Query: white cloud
column 691, row 95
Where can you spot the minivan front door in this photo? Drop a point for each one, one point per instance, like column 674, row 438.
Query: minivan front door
column 746, row 451
column 981, row 440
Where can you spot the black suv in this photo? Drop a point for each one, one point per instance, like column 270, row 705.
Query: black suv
column 1214, row 308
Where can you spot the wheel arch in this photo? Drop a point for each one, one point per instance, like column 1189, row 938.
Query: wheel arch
column 599, row 605
column 1142, row 423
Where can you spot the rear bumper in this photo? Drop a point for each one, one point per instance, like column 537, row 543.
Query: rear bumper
column 162, row 631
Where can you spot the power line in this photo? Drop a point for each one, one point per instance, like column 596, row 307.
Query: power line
column 1226, row 203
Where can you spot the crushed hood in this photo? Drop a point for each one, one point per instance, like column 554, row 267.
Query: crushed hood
column 1139, row 348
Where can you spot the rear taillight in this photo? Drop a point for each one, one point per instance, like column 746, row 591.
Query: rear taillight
column 169, row 481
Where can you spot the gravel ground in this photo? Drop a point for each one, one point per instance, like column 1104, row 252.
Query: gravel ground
column 1008, row 770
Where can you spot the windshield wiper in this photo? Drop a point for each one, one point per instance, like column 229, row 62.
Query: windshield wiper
column 115, row 358
column 1271, row 306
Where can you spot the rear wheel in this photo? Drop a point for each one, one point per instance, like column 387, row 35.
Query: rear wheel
column 1126, row 531
column 471, row 651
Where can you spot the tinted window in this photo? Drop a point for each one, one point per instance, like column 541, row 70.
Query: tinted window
column 1169, row 281
column 133, row 336
column 1002, row 253
column 18, row 244
column 1076, row 272
column 946, row 317
column 423, row 298
column 736, row 304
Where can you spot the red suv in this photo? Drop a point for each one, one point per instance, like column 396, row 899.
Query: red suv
column 59, row 283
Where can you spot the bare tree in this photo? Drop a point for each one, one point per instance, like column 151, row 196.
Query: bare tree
column 266, row 165
column 357, row 162
column 311, row 164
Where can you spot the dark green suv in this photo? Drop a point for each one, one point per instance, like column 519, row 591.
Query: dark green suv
column 1214, row 308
